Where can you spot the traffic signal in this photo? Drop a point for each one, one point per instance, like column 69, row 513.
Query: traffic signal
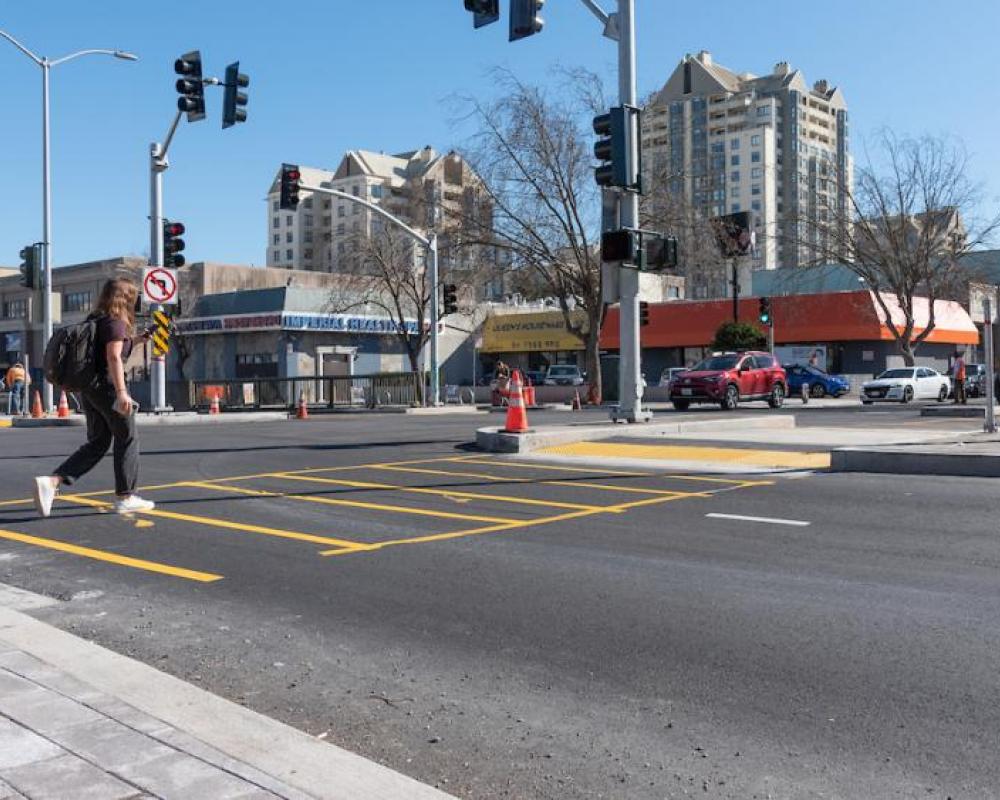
column 484, row 11
column 234, row 100
column 190, row 86
column 173, row 244
column 660, row 253
column 765, row 311
column 524, row 19
column 619, row 149
column 450, row 299
column 618, row 245
column 290, row 177
column 732, row 234
column 29, row 267
column 643, row 313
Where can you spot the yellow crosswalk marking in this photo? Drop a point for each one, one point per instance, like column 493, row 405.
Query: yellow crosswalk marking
column 112, row 558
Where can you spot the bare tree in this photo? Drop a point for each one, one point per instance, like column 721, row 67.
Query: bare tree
column 532, row 152
column 665, row 207
column 903, row 229
column 385, row 271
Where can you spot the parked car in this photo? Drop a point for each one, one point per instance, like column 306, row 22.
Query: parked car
column 564, row 375
column 975, row 380
column 669, row 374
column 904, row 384
column 535, row 377
column 820, row 383
column 729, row 379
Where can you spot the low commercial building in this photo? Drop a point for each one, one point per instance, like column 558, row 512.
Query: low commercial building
column 529, row 340
column 849, row 327
column 283, row 332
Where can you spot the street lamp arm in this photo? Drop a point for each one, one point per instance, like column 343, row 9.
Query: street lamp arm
column 21, row 47
column 125, row 56
column 424, row 240
column 609, row 21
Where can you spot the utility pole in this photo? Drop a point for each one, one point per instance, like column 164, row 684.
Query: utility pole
column 736, row 290
column 990, row 425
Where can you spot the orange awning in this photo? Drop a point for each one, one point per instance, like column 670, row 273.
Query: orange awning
column 805, row 318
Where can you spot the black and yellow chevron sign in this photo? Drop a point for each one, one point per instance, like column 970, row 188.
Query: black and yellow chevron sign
column 161, row 334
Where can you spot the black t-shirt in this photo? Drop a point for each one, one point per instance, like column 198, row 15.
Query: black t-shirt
column 110, row 329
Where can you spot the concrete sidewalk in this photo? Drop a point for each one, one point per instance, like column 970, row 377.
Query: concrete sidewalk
column 78, row 721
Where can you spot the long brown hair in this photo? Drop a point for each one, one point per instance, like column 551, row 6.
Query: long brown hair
column 117, row 300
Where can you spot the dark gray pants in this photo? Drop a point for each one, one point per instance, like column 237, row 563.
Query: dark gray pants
column 104, row 424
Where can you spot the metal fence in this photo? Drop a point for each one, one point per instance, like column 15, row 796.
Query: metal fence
column 358, row 391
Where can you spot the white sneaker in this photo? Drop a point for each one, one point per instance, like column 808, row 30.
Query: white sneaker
column 133, row 503
column 45, row 493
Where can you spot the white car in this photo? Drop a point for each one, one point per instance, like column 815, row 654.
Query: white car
column 669, row 374
column 564, row 375
column 904, row 384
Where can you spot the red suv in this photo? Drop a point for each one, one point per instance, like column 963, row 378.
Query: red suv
column 728, row 378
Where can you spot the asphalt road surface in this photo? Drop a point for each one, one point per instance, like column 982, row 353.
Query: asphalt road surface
column 509, row 630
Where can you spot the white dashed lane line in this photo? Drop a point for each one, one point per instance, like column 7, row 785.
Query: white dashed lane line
column 798, row 523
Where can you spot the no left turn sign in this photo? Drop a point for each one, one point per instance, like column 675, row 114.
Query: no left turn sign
column 159, row 286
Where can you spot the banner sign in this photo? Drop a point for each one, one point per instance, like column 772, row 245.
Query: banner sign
column 290, row 321
column 543, row 331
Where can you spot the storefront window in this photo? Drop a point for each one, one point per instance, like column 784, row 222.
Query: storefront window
column 256, row 365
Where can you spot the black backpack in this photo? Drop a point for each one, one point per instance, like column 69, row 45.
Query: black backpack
column 71, row 356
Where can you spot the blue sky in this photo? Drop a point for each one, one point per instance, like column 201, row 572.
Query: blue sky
column 330, row 75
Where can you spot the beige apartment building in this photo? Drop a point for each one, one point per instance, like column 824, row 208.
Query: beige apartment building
column 425, row 189
column 770, row 145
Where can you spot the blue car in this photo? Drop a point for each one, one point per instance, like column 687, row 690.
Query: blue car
column 820, row 383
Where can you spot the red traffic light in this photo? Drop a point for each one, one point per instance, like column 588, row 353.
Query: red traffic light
column 173, row 228
column 185, row 67
column 293, row 175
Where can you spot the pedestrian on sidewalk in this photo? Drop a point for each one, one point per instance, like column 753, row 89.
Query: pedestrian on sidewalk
column 958, row 377
column 15, row 381
column 108, row 406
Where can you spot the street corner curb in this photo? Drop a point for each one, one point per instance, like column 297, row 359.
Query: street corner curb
column 194, row 418
column 903, row 461
column 951, row 410
column 49, row 422
column 289, row 756
column 495, row 440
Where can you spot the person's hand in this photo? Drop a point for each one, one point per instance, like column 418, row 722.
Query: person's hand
column 124, row 403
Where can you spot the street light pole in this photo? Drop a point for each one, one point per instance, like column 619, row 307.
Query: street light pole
column 46, row 230
column 46, row 65
column 431, row 243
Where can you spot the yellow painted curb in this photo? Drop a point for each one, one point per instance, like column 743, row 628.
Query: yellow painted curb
column 775, row 459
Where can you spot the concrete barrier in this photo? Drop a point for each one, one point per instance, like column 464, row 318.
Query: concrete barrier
column 952, row 410
column 953, row 460
column 495, row 440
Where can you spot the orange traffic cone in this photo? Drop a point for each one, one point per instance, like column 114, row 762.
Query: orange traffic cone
column 517, row 416
column 36, row 407
column 576, row 401
column 63, row 410
column 214, row 407
column 302, row 412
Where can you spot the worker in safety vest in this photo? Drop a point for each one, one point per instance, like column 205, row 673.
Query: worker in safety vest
column 16, row 380
column 958, row 377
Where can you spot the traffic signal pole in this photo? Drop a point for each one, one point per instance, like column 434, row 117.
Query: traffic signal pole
column 630, row 367
column 158, row 164
column 430, row 242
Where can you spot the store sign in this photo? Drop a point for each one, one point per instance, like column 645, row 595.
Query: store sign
column 339, row 323
column 542, row 331
column 14, row 342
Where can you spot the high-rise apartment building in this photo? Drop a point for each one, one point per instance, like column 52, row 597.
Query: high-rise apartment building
column 769, row 145
column 425, row 189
